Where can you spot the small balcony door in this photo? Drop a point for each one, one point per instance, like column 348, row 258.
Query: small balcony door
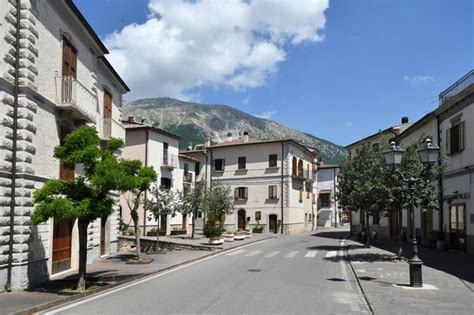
column 107, row 125
column 457, row 228
column 69, row 71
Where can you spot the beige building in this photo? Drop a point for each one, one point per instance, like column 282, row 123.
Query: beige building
column 56, row 80
column 272, row 181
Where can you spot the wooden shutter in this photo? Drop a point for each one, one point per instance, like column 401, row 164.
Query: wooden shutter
column 270, row 192
column 246, row 193
column 223, row 164
column 448, row 141
column 107, row 104
column 461, row 136
column 236, row 193
column 295, row 165
column 69, row 59
column 213, row 165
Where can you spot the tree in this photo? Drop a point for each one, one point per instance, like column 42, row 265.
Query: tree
column 191, row 202
column 161, row 202
column 219, row 202
column 86, row 197
column 136, row 180
column 362, row 186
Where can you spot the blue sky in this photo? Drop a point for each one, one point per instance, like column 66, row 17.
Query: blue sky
column 372, row 62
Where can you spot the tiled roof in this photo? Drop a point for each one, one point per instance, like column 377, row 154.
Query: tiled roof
column 134, row 125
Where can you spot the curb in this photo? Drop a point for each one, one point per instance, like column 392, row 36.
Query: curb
column 88, row 294
column 366, row 299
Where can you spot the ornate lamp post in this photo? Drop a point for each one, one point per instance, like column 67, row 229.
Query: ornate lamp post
column 428, row 154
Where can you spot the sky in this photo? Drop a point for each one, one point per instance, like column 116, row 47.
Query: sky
column 340, row 70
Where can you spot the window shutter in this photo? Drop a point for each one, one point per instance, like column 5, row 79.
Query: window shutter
column 246, row 192
column 213, row 165
column 448, row 141
column 223, row 164
column 236, row 193
column 461, row 136
column 270, row 192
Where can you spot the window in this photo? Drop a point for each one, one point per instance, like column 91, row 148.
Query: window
column 300, row 168
column 308, row 190
column 301, row 194
column 218, row 165
column 272, row 160
column 272, row 192
column 258, row 215
column 241, row 193
column 242, row 163
column 295, row 166
column 325, row 200
column 165, row 183
column 197, row 168
column 165, row 153
column 455, row 137
column 310, row 217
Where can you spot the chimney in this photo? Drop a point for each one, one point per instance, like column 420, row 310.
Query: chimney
column 404, row 120
column 190, row 146
column 229, row 136
column 207, row 142
column 246, row 136
column 131, row 119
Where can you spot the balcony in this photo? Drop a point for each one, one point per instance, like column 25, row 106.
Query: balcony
column 108, row 128
column 458, row 87
column 170, row 161
column 75, row 98
column 188, row 178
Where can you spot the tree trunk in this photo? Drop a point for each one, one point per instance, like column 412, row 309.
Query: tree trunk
column 400, row 234
column 367, row 231
column 193, row 220
column 81, row 282
column 136, row 229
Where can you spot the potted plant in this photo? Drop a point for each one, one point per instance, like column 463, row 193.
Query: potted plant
column 239, row 235
column 258, row 228
column 228, row 236
column 248, row 233
column 213, row 231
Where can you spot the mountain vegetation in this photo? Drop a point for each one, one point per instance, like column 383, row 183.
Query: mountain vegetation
column 195, row 121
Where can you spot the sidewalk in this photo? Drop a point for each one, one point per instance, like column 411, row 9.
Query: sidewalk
column 112, row 270
column 447, row 277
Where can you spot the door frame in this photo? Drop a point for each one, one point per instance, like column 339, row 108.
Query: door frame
column 275, row 231
column 452, row 242
column 241, row 210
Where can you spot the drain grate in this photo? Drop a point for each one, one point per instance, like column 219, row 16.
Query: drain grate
column 255, row 270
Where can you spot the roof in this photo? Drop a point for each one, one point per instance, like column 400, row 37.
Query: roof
column 324, row 166
column 188, row 157
column 260, row 141
column 389, row 129
column 191, row 151
column 134, row 125
column 415, row 126
column 86, row 24
column 114, row 73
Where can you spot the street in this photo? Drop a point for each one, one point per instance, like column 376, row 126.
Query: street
column 292, row 274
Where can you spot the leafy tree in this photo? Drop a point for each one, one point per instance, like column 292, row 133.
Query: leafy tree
column 362, row 186
column 218, row 203
column 86, row 197
column 162, row 202
column 191, row 202
column 137, row 179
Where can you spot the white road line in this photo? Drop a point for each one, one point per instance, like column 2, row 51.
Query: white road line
column 291, row 254
column 332, row 253
column 237, row 252
column 272, row 254
column 256, row 252
column 311, row 253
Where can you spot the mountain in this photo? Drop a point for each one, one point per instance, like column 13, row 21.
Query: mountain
column 194, row 121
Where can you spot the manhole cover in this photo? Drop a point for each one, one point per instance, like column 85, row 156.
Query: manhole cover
column 255, row 270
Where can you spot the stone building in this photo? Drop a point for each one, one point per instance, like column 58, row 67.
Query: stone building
column 54, row 78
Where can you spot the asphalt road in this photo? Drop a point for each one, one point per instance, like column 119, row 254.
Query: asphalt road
column 301, row 274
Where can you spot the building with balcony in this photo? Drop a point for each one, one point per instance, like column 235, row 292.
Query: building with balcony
column 158, row 148
column 328, row 211
column 54, row 78
column 272, row 181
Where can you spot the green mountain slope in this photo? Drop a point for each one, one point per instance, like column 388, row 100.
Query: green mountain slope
column 194, row 121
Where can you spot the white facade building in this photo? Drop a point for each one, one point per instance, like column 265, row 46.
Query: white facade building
column 55, row 80
column 329, row 213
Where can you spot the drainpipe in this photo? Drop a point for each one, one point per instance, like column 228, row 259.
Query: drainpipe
column 440, row 184
column 145, row 194
column 14, row 145
column 281, row 188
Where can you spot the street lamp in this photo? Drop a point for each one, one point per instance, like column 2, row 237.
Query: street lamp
column 428, row 154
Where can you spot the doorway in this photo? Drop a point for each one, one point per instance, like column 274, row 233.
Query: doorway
column 272, row 223
column 184, row 223
column 394, row 223
column 427, row 224
column 241, row 219
column 457, row 228
column 62, row 243
column 103, row 248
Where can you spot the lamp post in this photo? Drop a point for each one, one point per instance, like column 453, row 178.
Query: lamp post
column 428, row 154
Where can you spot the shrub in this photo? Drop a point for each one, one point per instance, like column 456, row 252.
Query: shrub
column 212, row 229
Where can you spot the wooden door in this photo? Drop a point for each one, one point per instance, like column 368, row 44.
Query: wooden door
column 103, row 247
column 62, row 241
column 457, row 231
column 241, row 220
column 272, row 224
column 184, row 223
column 394, row 223
column 427, row 224
column 69, row 70
column 107, row 114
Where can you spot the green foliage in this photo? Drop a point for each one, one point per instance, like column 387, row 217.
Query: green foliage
column 193, row 200
column 219, row 200
column 212, row 228
column 162, row 202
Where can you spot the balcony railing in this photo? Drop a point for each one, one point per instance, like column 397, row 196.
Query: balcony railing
column 74, row 96
column 170, row 161
column 457, row 87
column 108, row 128
column 188, row 178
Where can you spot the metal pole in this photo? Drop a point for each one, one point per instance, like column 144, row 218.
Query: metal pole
column 416, row 279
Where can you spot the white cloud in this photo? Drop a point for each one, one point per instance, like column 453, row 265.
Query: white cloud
column 188, row 44
column 348, row 124
column 246, row 100
column 418, row 78
column 267, row 115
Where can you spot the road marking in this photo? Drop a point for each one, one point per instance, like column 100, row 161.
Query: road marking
column 237, row 252
column 128, row 285
column 272, row 254
column 332, row 253
column 291, row 254
column 311, row 253
column 256, row 252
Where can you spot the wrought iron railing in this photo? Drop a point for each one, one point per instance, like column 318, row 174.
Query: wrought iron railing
column 457, row 87
column 71, row 92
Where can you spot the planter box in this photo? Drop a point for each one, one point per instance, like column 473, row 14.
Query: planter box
column 216, row 240
column 248, row 234
column 153, row 233
column 228, row 237
column 239, row 237
column 179, row 232
column 257, row 231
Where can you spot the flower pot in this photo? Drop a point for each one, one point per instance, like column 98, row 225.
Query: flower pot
column 239, row 237
column 228, row 237
column 248, row 234
column 216, row 240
